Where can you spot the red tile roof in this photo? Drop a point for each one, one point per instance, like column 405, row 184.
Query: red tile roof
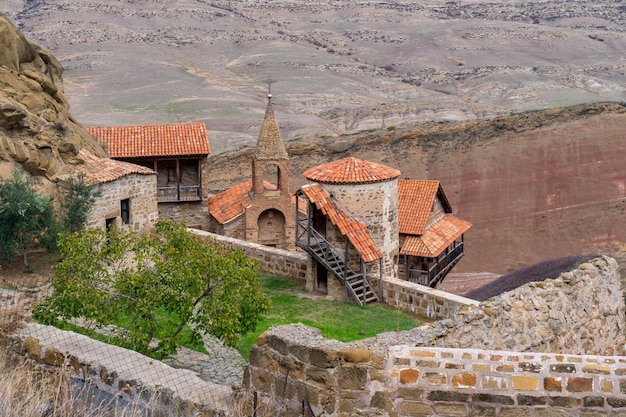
column 233, row 202
column 436, row 238
column 351, row 171
column 350, row 227
column 153, row 140
column 415, row 202
column 101, row 170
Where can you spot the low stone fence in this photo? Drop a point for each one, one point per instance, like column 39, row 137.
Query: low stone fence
column 274, row 261
column 421, row 300
column 120, row 372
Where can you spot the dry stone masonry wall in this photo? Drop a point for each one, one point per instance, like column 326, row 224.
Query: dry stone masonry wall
column 421, row 372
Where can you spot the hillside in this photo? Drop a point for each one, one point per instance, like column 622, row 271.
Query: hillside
column 338, row 67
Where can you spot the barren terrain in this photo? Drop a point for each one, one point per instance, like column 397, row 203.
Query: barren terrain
column 337, row 66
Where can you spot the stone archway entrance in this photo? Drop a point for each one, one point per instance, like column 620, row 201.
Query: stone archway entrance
column 271, row 226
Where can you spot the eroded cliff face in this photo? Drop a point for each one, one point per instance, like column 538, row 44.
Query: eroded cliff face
column 535, row 186
column 37, row 133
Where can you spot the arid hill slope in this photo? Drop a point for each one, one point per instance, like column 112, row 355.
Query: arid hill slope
column 536, row 186
column 338, row 66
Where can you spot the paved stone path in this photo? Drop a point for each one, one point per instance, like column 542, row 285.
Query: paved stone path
column 223, row 365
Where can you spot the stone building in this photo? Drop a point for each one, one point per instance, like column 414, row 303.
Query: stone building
column 260, row 209
column 177, row 152
column 361, row 222
column 127, row 193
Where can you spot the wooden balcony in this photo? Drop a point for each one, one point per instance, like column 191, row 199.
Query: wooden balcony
column 438, row 271
column 179, row 193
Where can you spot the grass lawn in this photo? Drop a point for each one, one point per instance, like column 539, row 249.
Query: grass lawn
column 343, row 321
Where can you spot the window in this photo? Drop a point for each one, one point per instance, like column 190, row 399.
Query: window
column 109, row 223
column 125, row 211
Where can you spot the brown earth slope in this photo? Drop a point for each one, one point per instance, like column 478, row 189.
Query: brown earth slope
column 536, row 186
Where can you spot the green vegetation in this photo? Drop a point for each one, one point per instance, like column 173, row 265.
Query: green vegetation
column 78, row 199
column 26, row 218
column 153, row 287
column 342, row 321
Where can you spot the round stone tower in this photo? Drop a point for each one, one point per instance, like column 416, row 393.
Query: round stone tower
column 369, row 191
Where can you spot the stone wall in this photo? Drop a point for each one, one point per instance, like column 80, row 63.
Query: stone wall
column 582, row 311
column 120, row 372
column 452, row 367
column 139, row 189
column 271, row 260
column 195, row 214
column 421, row 300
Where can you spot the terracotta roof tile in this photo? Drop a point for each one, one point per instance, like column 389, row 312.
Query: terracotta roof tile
column 350, row 227
column 153, row 140
column 436, row 238
column 415, row 202
column 233, row 202
column 101, row 170
column 351, row 171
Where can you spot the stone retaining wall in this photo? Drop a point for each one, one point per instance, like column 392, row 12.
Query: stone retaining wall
column 271, row 260
column 578, row 317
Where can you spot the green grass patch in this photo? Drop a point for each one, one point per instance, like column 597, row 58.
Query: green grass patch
column 343, row 321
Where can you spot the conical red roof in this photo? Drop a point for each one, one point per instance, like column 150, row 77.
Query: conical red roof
column 351, row 171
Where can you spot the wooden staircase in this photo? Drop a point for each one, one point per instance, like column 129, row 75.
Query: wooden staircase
column 357, row 285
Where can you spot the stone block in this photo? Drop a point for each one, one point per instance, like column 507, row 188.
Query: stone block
column 435, row 378
column 481, row 411
column 492, row 398
column 596, row 369
column 525, row 382
column 563, row 368
column 483, row 367
column 606, row 385
column 576, row 384
column 465, row 380
column 318, row 376
column 553, row 384
column 402, row 361
column 550, row 412
column 515, row 412
column 616, row 403
column 423, row 353
column 530, row 400
column 352, row 377
column 427, row 364
column 494, row 382
column 380, row 399
column 505, row 368
column 322, row 358
column 409, row 376
column 592, row 401
column 451, row 410
column 415, row 409
column 410, row 394
column 530, row 367
column 454, row 366
column 448, row 396
column 567, row 402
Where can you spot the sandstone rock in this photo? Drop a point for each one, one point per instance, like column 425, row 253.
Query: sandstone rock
column 37, row 133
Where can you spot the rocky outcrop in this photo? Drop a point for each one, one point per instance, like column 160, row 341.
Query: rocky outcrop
column 37, row 133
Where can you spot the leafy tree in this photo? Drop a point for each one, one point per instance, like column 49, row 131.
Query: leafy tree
column 156, row 284
column 26, row 217
column 77, row 200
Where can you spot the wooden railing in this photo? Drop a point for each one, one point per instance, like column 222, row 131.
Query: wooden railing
column 439, row 270
column 179, row 193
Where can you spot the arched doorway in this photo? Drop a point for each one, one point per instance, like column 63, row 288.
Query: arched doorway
column 271, row 226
